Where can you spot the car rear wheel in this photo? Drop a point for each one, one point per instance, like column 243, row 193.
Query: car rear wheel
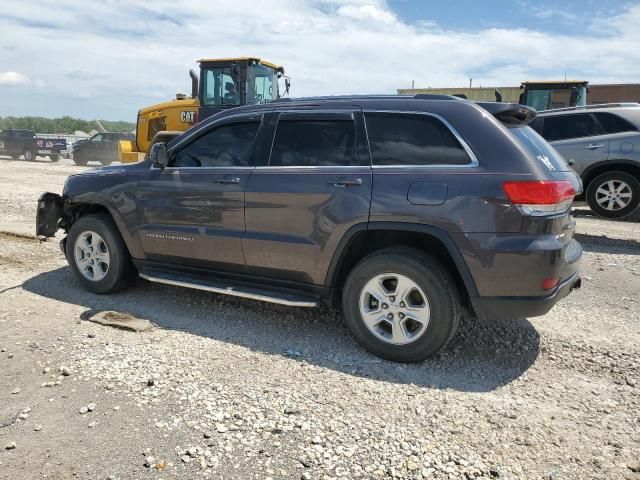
column 79, row 160
column 97, row 254
column 613, row 194
column 54, row 158
column 401, row 305
column 28, row 155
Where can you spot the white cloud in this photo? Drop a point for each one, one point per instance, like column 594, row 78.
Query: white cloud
column 122, row 55
column 367, row 13
column 13, row 78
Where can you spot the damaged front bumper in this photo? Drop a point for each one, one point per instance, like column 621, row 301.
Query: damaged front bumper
column 49, row 213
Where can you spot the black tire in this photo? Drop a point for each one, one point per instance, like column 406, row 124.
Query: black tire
column 105, row 162
column 28, row 155
column 601, row 181
column 120, row 270
column 436, row 283
column 79, row 160
column 54, row 158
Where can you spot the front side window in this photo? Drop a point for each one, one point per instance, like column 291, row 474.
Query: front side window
column 310, row 143
column 562, row 127
column 225, row 146
column 412, row 139
column 97, row 138
column 221, row 87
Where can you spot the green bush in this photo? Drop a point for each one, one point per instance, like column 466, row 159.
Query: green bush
column 62, row 125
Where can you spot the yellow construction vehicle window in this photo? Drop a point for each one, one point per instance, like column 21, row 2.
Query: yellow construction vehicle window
column 262, row 84
column 220, row 87
column 156, row 125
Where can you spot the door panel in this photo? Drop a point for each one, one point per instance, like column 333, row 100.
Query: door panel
column 314, row 186
column 193, row 215
column 296, row 216
column 582, row 152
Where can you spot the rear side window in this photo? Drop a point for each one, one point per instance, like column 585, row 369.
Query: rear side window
column 539, row 148
column 562, row 127
column 225, row 146
column 412, row 139
column 612, row 123
column 311, row 143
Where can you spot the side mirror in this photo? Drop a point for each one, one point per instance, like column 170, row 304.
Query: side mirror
column 158, row 155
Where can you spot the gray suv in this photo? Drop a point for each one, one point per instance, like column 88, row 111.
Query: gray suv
column 403, row 211
column 602, row 144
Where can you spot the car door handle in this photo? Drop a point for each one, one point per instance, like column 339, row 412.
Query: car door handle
column 591, row 146
column 228, row 181
column 345, row 182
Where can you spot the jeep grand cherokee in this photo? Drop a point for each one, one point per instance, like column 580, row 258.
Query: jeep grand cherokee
column 404, row 211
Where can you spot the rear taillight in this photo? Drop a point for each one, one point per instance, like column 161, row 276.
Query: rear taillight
column 540, row 197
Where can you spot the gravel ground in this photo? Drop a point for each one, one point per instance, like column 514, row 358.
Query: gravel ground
column 230, row 388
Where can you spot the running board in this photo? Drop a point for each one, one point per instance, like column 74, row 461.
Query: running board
column 253, row 293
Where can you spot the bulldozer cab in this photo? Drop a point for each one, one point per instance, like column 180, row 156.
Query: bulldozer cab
column 223, row 83
column 549, row 95
column 228, row 83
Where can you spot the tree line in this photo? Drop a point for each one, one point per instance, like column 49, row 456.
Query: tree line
column 64, row 124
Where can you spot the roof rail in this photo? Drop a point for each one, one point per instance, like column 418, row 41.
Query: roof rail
column 593, row 106
column 434, row 96
column 420, row 96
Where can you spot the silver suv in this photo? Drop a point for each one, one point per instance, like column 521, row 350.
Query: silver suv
column 602, row 144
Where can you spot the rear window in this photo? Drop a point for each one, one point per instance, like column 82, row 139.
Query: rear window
column 539, row 148
column 563, row 127
column 310, row 143
column 412, row 139
column 613, row 123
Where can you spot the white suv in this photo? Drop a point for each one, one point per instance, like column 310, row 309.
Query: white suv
column 602, row 144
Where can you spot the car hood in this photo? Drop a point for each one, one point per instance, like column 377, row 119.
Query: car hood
column 114, row 169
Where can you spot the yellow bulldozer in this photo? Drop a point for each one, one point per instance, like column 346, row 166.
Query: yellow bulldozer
column 552, row 94
column 223, row 83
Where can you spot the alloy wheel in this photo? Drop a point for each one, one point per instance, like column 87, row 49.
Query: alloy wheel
column 91, row 256
column 614, row 195
column 394, row 308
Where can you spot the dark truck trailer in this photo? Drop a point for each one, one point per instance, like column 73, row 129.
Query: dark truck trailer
column 17, row 142
column 52, row 147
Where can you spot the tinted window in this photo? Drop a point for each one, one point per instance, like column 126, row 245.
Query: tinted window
column 225, row 146
column 311, row 143
column 613, row 123
column 562, row 127
column 97, row 138
column 539, row 148
column 412, row 139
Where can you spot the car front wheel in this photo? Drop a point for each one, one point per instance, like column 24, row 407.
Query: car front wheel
column 28, row 155
column 97, row 254
column 613, row 194
column 401, row 305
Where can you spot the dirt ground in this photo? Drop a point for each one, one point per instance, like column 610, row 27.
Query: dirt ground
column 229, row 388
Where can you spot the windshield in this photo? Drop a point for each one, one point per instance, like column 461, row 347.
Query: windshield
column 262, row 84
column 539, row 148
column 551, row 98
column 220, row 87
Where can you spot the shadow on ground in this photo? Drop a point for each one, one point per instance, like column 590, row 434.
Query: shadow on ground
column 603, row 244
column 482, row 356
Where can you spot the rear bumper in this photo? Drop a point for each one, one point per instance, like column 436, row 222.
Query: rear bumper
column 523, row 307
column 48, row 215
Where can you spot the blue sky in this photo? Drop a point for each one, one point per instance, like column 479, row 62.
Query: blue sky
column 107, row 59
column 568, row 16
